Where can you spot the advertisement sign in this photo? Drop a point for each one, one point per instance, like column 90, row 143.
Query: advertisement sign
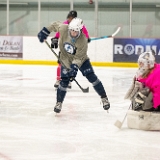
column 11, row 47
column 128, row 49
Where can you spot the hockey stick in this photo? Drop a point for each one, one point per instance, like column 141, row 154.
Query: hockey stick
column 119, row 123
column 97, row 38
column 85, row 90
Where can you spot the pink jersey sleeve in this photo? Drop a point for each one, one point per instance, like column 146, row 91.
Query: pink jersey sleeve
column 57, row 34
column 84, row 30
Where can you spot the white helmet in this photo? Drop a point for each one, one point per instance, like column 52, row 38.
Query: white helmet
column 146, row 61
column 76, row 24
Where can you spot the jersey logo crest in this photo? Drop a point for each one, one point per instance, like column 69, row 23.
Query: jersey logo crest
column 64, row 71
column 69, row 48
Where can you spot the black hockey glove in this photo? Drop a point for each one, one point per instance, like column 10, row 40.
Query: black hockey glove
column 89, row 40
column 73, row 71
column 43, row 34
column 54, row 43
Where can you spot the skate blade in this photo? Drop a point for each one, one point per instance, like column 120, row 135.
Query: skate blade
column 56, row 114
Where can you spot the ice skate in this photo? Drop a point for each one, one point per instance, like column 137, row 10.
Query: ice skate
column 106, row 104
column 58, row 107
column 57, row 84
column 69, row 85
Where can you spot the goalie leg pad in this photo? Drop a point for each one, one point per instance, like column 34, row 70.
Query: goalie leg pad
column 141, row 95
column 148, row 104
column 135, row 87
column 139, row 98
column 143, row 120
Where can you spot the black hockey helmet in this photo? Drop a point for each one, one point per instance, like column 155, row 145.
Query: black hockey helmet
column 72, row 14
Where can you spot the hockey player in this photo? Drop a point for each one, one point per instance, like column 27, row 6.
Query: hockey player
column 54, row 44
column 73, row 46
column 145, row 96
column 146, row 92
column 149, row 75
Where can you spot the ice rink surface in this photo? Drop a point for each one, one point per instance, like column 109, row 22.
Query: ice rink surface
column 30, row 130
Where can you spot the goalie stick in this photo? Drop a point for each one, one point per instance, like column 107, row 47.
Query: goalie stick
column 119, row 123
column 103, row 37
column 85, row 90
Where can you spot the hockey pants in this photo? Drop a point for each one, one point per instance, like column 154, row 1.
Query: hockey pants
column 88, row 72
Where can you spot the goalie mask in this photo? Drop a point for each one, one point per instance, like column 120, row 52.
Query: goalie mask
column 75, row 27
column 146, row 62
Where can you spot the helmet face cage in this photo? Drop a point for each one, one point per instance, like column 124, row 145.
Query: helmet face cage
column 146, row 61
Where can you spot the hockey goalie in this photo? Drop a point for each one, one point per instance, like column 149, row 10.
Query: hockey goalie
column 144, row 94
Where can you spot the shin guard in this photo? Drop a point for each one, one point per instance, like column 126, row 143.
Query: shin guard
column 62, row 89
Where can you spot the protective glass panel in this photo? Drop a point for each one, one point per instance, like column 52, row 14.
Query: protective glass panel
column 23, row 18
column 146, row 19
column 3, row 18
